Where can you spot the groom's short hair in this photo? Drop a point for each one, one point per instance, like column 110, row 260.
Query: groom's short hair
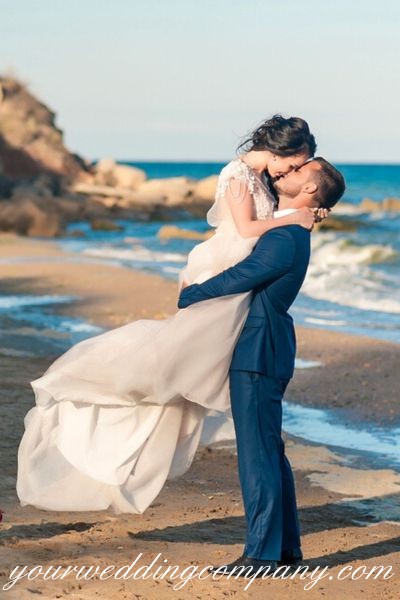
column 331, row 183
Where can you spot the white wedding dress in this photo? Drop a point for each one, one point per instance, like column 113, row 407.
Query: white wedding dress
column 119, row 413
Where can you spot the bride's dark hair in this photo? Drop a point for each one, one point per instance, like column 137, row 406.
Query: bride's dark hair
column 282, row 136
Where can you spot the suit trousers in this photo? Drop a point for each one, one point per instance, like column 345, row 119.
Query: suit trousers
column 265, row 474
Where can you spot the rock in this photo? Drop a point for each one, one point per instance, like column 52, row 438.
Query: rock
column 388, row 205
column 102, row 168
column 98, row 207
column 6, row 186
column 145, row 198
column 120, row 198
column 205, row 189
column 33, row 216
column 105, row 225
column 108, row 202
column 391, row 204
column 36, row 167
column 72, row 209
column 133, row 203
column 346, row 208
column 92, row 189
column 44, row 185
column 334, row 224
column 157, row 196
column 77, row 233
column 172, row 231
column 368, row 205
column 172, row 191
column 109, row 173
column 30, row 142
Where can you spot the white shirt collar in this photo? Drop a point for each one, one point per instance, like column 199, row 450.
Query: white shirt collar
column 284, row 212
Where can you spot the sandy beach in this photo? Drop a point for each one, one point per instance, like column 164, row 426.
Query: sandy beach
column 349, row 512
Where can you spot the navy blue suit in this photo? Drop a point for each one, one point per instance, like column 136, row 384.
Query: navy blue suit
column 262, row 364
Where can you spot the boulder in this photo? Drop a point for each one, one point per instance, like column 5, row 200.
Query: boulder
column 388, row 205
column 41, row 186
column 116, row 197
column 172, row 191
column 100, row 207
column 105, row 225
column 30, row 141
column 391, row 204
column 334, row 224
column 109, row 173
column 92, row 189
column 205, row 188
column 32, row 216
column 72, row 209
column 110, row 202
column 368, row 205
column 346, row 208
column 102, row 169
column 153, row 195
column 167, row 232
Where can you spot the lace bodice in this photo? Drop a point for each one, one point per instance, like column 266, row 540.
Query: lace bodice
column 228, row 247
column 264, row 201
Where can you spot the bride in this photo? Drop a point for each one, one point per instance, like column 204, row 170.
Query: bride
column 119, row 413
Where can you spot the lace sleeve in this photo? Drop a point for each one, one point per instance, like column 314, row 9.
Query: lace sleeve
column 235, row 178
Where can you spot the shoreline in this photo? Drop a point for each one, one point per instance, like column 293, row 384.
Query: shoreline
column 348, row 511
column 358, row 372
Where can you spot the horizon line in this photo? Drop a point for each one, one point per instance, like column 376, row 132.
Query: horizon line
column 211, row 161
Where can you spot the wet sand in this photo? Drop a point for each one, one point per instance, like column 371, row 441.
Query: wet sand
column 349, row 513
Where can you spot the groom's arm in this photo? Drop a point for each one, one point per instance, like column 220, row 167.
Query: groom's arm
column 272, row 257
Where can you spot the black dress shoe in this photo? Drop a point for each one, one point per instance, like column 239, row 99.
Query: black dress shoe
column 291, row 557
column 245, row 566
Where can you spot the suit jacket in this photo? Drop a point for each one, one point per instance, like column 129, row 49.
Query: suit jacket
column 275, row 270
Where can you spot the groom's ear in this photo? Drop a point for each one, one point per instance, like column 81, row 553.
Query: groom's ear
column 310, row 187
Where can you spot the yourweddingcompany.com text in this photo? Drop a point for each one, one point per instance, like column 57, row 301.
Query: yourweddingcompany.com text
column 159, row 570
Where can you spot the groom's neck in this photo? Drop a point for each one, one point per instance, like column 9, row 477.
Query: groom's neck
column 286, row 202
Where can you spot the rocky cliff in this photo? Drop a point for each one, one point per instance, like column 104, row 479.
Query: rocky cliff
column 30, row 142
column 43, row 185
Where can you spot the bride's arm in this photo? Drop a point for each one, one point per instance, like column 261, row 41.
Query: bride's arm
column 241, row 203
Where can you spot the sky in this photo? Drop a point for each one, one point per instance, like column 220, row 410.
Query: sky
column 188, row 79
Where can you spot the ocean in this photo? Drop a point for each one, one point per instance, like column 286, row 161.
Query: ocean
column 353, row 281
column 363, row 181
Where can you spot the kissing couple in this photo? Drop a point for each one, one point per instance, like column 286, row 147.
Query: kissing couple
column 119, row 413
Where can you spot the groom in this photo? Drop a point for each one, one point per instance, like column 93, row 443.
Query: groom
column 262, row 365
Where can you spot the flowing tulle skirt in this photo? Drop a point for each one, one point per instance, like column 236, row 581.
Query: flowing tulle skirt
column 120, row 412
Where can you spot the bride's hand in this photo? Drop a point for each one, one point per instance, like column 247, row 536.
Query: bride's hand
column 321, row 214
column 184, row 284
column 305, row 217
